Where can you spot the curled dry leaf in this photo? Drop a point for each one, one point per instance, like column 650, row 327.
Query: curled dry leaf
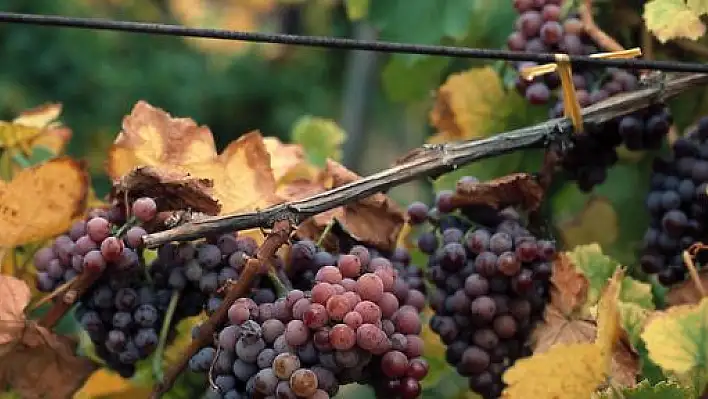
column 242, row 175
column 41, row 364
column 14, row 297
column 172, row 190
column 519, row 189
column 375, row 220
column 284, row 158
column 42, row 201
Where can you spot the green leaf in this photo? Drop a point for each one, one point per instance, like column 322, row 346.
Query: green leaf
column 637, row 292
column 408, row 79
column 671, row 19
column 698, row 6
column 321, row 138
column 356, row 9
column 596, row 266
column 632, row 318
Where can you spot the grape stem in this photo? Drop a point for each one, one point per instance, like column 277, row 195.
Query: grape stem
column 325, row 232
column 432, row 160
column 160, row 350
column 275, row 239
column 602, row 39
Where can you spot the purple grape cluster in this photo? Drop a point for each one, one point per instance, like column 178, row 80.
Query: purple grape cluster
column 358, row 322
column 122, row 312
column 540, row 28
column 491, row 283
column 678, row 205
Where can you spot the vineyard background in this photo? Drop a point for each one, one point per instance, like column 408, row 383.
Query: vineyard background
column 363, row 109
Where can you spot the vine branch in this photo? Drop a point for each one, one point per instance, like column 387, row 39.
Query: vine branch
column 431, row 160
column 277, row 237
column 602, row 39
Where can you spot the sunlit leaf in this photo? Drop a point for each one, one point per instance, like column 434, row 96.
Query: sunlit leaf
column 671, row 19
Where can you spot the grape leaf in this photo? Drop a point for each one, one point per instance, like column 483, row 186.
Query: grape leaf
column 572, row 371
column 41, row 364
column 638, row 292
column 242, row 175
column 677, row 338
column 321, row 139
column 672, row 19
column 41, row 201
column 569, row 288
column 14, row 297
column 596, row 266
column 700, row 7
column 519, row 189
column 633, row 318
column 376, row 220
column 171, row 190
column 38, row 130
column 471, row 104
column 105, row 383
column 410, row 79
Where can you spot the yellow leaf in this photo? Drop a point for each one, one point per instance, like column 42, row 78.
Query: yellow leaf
column 565, row 371
column 676, row 339
column 700, row 7
column 608, row 327
column 101, row 383
column 467, row 104
column 242, row 175
column 12, row 135
column 671, row 19
column 39, row 117
column 41, row 201
column 356, row 9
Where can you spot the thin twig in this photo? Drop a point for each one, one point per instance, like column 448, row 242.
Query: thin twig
column 602, row 39
column 694, row 47
column 278, row 237
column 82, row 283
column 430, row 161
column 164, row 332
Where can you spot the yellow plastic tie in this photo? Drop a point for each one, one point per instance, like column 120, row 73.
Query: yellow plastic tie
column 571, row 107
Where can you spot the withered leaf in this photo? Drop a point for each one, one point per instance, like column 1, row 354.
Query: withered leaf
column 569, row 289
column 242, row 175
column 518, row 189
column 43, row 365
column 172, row 190
column 376, row 220
column 14, row 297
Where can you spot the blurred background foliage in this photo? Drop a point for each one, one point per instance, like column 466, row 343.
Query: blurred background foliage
column 380, row 101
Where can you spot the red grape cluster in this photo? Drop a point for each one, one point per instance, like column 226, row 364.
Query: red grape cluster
column 123, row 311
column 540, row 28
column 491, row 284
column 353, row 325
column 678, row 205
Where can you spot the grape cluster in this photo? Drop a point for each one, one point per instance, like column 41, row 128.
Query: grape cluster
column 540, row 29
column 491, row 285
column 352, row 325
column 678, row 205
column 122, row 311
column 306, row 258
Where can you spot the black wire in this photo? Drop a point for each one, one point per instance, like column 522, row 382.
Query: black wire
column 338, row 43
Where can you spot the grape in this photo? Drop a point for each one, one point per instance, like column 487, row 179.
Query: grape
column 144, row 209
column 370, row 287
column 394, row 364
column 303, row 382
column 529, row 23
column 316, row 316
column 248, row 351
column 134, row 236
column 508, row 264
column 84, row 245
column 112, row 249
column 538, row 93
column 329, row 274
column 417, row 213
column 98, row 229
column 342, row 337
column 266, row 381
column 94, row 262
column 428, row 242
column 209, row 256
column 296, row 333
column 505, row 326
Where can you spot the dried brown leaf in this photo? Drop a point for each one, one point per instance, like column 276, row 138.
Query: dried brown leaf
column 569, row 288
column 242, row 175
column 376, row 220
column 14, row 297
column 686, row 293
column 518, row 189
column 43, row 365
column 172, row 190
